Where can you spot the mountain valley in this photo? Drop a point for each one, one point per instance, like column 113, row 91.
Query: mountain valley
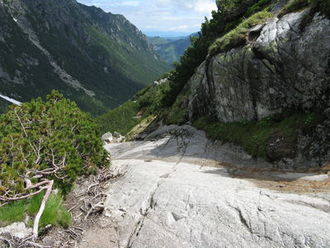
column 170, row 49
column 95, row 58
column 228, row 147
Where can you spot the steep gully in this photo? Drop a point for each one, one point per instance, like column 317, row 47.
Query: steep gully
column 178, row 189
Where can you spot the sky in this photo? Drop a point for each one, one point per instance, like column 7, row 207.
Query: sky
column 160, row 17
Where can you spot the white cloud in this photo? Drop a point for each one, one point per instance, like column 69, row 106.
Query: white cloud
column 160, row 15
column 204, row 6
column 130, row 3
column 184, row 27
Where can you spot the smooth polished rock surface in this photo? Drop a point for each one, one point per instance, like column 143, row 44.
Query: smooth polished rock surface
column 178, row 202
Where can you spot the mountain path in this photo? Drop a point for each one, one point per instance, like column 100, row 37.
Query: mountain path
column 181, row 190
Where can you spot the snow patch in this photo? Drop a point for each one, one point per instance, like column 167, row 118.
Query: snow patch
column 13, row 101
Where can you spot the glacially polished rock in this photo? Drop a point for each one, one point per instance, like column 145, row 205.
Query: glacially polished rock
column 169, row 197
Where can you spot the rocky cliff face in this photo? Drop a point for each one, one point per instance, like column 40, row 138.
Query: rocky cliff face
column 96, row 58
column 284, row 67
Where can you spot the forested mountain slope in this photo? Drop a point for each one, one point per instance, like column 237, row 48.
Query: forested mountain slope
column 97, row 59
column 170, row 49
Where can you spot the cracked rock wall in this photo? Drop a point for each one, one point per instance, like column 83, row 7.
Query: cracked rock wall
column 286, row 67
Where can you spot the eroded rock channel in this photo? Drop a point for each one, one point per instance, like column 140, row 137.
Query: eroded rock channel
column 178, row 189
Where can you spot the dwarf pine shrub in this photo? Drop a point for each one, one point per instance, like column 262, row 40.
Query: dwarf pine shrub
column 50, row 139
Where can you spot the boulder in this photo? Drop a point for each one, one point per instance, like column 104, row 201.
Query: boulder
column 16, row 230
column 107, row 137
column 113, row 138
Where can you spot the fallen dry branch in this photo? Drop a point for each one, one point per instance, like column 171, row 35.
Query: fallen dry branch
column 7, row 241
column 41, row 209
column 33, row 244
column 97, row 208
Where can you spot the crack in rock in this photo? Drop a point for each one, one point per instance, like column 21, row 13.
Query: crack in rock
column 170, row 206
column 243, row 219
column 183, row 145
column 177, row 217
column 144, row 214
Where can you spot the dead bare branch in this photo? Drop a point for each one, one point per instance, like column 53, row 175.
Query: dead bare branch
column 42, row 208
column 91, row 186
column 36, row 244
column 98, row 207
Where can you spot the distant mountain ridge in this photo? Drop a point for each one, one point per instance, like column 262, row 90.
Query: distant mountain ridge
column 96, row 58
column 170, row 49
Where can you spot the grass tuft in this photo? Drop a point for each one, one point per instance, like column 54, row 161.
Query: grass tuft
column 237, row 37
column 54, row 214
column 14, row 212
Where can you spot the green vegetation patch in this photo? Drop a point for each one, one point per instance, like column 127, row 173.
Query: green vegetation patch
column 121, row 119
column 259, row 6
column 13, row 212
column 152, row 99
column 254, row 136
column 42, row 142
column 140, row 127
column 232, row 7
column 177, row 114
column 51, row 140
column 324, row 6
column 147, row 102
column 54, row 214
column 293, row 6
column 237, row 36
column 297, row 5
